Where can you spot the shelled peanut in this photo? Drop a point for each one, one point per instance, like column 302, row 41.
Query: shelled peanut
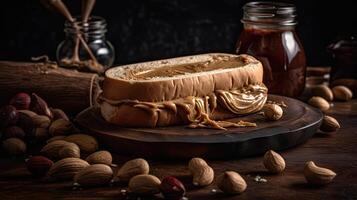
column 318, row 175
column 202, row 173
column 135, row 173
column 93, row 175
column 339, row 93
column 272, row 112
column 231, row 182
column 27, row 117
column 313, row 174
column 274, row 162
column 322, row 95
column 132, row 168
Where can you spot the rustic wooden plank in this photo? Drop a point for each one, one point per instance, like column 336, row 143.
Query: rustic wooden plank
column 62, row 88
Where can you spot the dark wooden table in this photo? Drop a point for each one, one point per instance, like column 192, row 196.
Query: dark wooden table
column 337, row 151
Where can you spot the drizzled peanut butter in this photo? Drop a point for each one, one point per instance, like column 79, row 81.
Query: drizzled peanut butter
column 197, row 111
column 245, row 100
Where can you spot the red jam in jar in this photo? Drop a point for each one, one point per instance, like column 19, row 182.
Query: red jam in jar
column 269, row 35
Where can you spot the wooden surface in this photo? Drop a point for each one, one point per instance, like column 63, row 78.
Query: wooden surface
column 299, row 122
column 337, row 152
column 62, row 88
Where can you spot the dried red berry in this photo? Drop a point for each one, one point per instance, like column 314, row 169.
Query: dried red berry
column 21, row 101
column 8, row 116
column 38, row 165
column 172, row 188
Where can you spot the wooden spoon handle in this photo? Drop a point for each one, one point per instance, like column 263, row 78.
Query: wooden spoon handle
column 61, row 8
column 87, row 7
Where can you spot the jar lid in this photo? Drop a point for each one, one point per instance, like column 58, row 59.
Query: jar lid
column 95, row 25
column 273, row 13
column 346, row 45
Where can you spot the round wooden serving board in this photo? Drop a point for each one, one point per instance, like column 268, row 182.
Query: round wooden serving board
column 299, row 122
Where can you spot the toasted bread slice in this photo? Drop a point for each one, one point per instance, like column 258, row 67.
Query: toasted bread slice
column 175, row 78
column 195, row 90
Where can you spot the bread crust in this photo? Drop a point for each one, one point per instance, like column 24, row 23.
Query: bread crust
column 189, row 110
column 130, row 116
column 114, row 88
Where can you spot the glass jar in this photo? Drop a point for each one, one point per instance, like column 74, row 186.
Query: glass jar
column 343, row 59
column 72, row 52
column 269, row 35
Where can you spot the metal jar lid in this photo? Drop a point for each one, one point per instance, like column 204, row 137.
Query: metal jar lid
column 270, row 13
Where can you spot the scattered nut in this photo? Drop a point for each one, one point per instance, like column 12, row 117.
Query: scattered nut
column 86, row 143
column 59, row 137
column 172, row 188
column 41, row 133
column 132, row 168
column 273, row 112
column 144, row 184
column 59, row 114
column 8, row 116
column 21, row 101
column 318, row 175
column 25, row 122
column 14, row 146
column 323, row 91
column 329, row 124
column 202, row 173
column 51, row 150
column 231, row 182
column 342, row 93
column 66, row 168
column 100, row 157
column 319, row 102
column 274, row 162
column 97, row 174
column 41, row 121
column 38, row 165
column 28, row 113
column 70, row 150
column 61, row 127
column 39, row 106
column 14, row 131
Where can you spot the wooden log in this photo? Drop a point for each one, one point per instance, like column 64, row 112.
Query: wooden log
column 62, row 88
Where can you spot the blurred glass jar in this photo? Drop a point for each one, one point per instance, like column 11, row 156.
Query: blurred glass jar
column 269, row 35
column 343, row 59
column 72, row 53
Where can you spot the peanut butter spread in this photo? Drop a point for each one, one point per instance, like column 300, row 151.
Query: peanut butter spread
column 197, row 111
column 172, row 70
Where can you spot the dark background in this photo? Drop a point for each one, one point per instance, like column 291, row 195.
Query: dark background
column 142, row 30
